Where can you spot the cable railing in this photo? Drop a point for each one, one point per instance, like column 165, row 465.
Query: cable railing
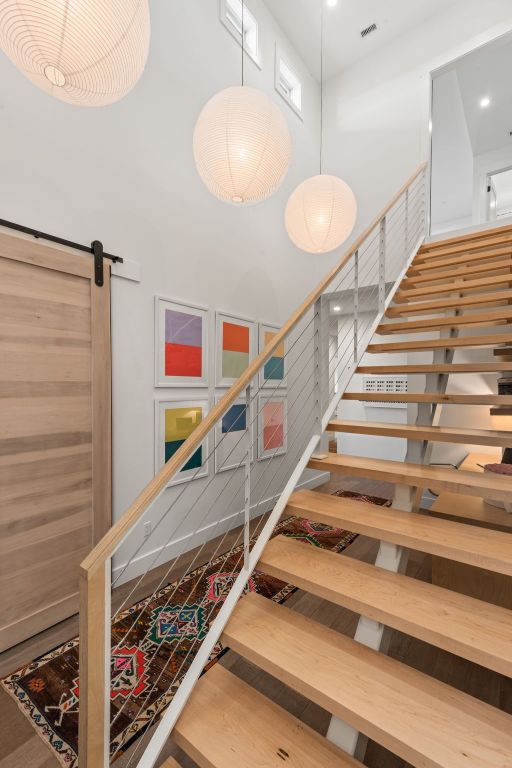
column 148, row 624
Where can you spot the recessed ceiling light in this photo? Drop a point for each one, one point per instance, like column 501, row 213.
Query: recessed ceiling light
column 485, row 102
column 332, row 3
column 336, row 309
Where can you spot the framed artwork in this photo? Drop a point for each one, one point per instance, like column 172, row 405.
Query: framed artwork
column 236, row 347
column 181, row 344
column 273, row 372
column 230, row 443
column 272, row 425
column 175, row 420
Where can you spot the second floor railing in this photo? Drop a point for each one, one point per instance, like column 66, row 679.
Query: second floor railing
column 263, row 431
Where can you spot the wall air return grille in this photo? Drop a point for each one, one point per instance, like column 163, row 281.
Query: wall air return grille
column 368, row 30
column 388, row 385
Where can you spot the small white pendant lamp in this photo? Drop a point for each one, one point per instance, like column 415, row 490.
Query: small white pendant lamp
column 85, row 52
column 242, row 144
column 322, row 211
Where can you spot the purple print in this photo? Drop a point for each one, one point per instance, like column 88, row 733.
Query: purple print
column 181, row 328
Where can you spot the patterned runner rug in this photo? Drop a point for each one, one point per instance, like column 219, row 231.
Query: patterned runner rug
column 151, row 644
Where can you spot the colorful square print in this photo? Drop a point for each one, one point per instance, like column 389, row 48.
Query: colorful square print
column 272, row 426
column 236, row 347
column 175, row 420
column 181, row 344
column 273, row 372
column 231, row 442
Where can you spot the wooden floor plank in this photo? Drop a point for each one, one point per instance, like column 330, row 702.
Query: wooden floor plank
column 427, row 723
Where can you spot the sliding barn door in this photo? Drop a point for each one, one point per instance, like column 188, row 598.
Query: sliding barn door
column 55, row 429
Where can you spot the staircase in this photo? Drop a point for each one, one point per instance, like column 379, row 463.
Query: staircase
column 444, row 290
column 422, row 720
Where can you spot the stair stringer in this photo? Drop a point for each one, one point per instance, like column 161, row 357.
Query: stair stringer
column 391, row 557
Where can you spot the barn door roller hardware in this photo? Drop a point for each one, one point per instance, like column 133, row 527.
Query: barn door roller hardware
column 96, row 247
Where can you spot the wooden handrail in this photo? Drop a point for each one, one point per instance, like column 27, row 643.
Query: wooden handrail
column 105, row 548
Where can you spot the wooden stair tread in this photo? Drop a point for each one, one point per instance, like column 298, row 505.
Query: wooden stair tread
column 228, row 724
column 428, row 397
column 449, row 303
column 469, row 242
column 434, row 323
column 425, row 722
column 455, row 541
column 494, row 367
column 490, row 340
column 492, row 486
column 171, row 763
column 461, row 625
column 421, row 266
column 444, row 274
column 414, row 432
column 458, row 286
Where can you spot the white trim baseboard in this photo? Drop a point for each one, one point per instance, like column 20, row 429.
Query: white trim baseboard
column 176, row 547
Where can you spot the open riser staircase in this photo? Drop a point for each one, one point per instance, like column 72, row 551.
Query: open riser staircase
column 391, row 282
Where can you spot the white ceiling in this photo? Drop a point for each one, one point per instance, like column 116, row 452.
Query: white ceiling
column 486, row 72
column 343, row 44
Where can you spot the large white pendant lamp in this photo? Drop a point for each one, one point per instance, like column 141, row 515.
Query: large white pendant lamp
column 85, row 52
column 242, row 144
column 322, row 211
column 320, row 214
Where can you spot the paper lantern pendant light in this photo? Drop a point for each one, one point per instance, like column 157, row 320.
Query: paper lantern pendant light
column 85, row 52
column 242, row 145
column 320, row 214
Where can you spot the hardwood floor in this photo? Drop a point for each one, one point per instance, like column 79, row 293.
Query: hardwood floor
column 20, row 745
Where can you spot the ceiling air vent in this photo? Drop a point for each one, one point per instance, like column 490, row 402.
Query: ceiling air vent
column 368, row 30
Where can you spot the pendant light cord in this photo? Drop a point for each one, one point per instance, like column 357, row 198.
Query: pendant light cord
column 321, row 82
column 243, row 40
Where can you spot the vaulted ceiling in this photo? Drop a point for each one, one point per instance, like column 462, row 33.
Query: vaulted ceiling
column 343, row 43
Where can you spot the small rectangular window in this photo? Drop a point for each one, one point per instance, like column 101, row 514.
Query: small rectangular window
column 288, row 84
column 231, row 16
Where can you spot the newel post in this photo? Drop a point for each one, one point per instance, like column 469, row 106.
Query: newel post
column 94, row 688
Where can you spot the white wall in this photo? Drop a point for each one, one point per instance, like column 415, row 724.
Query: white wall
column 125, row 174
column 452, row 157
column 377, row 111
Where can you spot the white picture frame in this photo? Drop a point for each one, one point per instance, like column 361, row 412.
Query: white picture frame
column 230, row 440
column 162, row 405
column 267, row 447
column 234, row 354
column 180, row 346
column 274, row 365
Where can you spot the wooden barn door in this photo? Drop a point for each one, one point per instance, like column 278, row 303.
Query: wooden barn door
column 55, row 429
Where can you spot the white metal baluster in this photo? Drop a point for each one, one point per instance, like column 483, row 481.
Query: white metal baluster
column 248, row 458
column 356, row 305
column 382, row 265
column 406, row 234
column 321, row 343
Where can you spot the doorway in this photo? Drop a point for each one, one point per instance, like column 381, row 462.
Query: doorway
column 55, row 429
column 499, row 189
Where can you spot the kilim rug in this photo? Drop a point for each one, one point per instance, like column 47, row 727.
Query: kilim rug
column 148, row 653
